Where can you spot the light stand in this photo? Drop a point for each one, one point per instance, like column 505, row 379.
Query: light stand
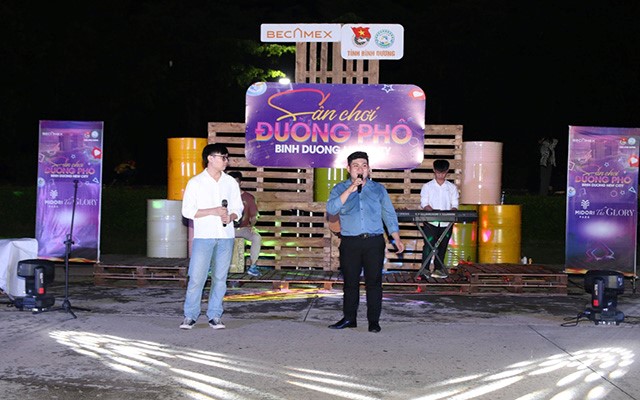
column 66, row 304
column 604, row 287
column 38, row 274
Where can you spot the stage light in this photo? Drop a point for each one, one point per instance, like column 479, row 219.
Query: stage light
column 37, row 274
column 604, row 287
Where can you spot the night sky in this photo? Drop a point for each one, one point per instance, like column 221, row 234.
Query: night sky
column 508, row 71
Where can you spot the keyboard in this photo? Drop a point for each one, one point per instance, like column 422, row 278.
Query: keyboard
column 433, row 216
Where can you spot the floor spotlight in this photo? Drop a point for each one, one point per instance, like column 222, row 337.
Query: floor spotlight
column 38, row 274
column 604, row 287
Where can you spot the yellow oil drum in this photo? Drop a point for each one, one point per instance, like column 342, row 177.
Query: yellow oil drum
column 184, row 161
column 166, row 229
column 499, row 234
column 324, row 179
column 463, row 245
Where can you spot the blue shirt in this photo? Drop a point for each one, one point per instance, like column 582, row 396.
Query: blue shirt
column 363, row 212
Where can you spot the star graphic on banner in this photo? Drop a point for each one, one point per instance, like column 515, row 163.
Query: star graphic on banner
column 387, row 88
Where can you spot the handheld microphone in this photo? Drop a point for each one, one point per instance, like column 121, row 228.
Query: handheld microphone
column 360, row 185
column 224, row 204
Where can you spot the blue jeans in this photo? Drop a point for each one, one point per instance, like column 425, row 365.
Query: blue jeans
column 208, row 255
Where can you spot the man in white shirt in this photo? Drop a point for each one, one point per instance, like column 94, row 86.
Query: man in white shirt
column 438, row 195
column 212, row 200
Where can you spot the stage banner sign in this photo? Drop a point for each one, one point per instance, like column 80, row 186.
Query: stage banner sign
column 602, row 199
column 319, row 125
column 69, row 162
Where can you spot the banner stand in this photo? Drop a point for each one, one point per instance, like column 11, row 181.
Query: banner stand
column 602, row 200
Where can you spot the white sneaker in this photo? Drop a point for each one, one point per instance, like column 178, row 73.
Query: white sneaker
column 188, row 323
column 216, row 323
column 439, row 274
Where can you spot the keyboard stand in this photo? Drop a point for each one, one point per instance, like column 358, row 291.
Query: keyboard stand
column 434, row 248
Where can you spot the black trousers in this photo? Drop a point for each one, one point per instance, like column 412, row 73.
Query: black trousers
column 356, row 254
column 433, row 234
column 545, row 179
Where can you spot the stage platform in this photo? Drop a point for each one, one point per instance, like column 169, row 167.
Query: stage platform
column 465, row 279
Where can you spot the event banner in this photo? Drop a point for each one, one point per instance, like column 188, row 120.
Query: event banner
column 69, row 165
column 319, row 125
column 602, row 198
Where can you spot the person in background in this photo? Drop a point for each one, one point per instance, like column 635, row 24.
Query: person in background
column 438, row 195
column 363, row 206
column 246, row 227
column 547, row 162
column 212, row 200
column 124, row 173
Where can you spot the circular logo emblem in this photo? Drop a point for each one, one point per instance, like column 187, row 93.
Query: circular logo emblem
column 385, row 38
column 257, row 89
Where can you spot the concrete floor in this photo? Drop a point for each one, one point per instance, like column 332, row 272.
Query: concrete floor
column 277, row 346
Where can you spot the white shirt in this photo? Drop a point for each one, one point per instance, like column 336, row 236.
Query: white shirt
column 202, row 191
column 440, row 197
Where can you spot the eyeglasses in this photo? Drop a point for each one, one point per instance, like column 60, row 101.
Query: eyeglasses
column 224, row 158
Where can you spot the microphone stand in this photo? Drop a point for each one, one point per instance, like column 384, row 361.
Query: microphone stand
column 66, row 304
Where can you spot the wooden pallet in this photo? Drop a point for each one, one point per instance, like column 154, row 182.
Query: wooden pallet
column 466, row 279
column 403, row 281
column 397, row 281
column 284, row 279
column 140, row 275
column 513, row 279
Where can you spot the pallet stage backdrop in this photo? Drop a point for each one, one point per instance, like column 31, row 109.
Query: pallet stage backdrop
column 295, row 228
column 293, row 224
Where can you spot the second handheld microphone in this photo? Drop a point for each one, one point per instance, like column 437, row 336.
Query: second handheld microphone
column 224, row 204
column 360, row 185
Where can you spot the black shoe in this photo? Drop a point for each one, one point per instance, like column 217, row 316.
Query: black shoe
column 344, row 323
column 374, row 327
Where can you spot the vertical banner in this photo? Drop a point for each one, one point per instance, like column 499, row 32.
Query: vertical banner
column 602, row 199
column 69, row 162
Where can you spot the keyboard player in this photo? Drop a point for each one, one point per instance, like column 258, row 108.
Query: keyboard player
column 438, row 194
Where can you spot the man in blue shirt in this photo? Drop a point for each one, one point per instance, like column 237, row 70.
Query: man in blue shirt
column 363, row 207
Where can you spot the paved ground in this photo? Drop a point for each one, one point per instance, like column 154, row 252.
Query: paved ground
column 277, row 346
